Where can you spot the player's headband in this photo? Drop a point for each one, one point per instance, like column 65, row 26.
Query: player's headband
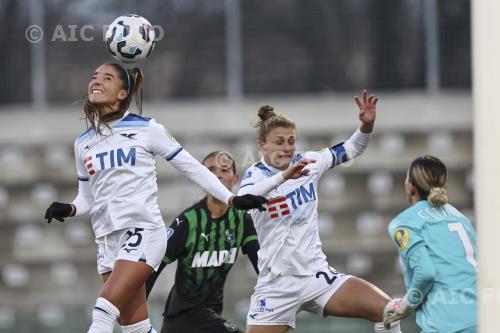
column 129, row 85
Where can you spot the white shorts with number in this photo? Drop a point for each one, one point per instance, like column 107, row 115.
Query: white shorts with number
column 133, row 244
column 277, row 302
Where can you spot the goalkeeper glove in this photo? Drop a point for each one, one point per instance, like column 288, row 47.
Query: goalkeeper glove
column 396, row 309
column 59, row 211
column 248, row 201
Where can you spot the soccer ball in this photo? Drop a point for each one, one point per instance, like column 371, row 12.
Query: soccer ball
column 130, row 38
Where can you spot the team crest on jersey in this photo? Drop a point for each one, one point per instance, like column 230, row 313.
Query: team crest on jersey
column 229, row 236
column 402, row 237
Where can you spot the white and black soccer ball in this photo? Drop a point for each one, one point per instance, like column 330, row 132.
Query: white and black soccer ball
column 130, row 38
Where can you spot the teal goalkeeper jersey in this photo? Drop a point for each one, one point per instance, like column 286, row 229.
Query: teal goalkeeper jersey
column 437, row 246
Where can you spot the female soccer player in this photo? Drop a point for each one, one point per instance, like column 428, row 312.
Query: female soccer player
column 437, row 245
column 117, row 186
column 294, row 274
column 205, row 239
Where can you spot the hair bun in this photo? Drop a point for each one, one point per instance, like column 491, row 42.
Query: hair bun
column 437, row 196
column 266, row 112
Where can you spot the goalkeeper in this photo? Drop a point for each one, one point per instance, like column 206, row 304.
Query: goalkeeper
column 437, row 245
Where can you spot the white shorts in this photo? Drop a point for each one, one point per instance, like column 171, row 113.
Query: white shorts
column 278, row 301
column 133, row 244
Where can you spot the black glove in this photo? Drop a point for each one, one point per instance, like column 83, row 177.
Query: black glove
column 58, row 211
column 249, row 201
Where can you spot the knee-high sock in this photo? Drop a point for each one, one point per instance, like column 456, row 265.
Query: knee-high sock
column 379, row 328
column 104, row 316
column 140, row 327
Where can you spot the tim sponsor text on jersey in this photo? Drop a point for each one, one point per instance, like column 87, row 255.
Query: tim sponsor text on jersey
column 110, row 159
column 303, row 194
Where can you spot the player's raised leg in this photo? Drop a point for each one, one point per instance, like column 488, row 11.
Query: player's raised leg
column 360, row 299
column 267, row 329
column 119, row 294
column 134, row 317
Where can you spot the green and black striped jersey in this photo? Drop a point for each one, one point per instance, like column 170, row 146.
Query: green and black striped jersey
column 205, row 250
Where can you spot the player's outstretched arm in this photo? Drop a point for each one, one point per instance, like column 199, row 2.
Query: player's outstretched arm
column 248, row 201
column 199, row 174
column 367, row 111
column 358, row 142
column 264, row 186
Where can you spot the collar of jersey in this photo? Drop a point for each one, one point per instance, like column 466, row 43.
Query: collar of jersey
column 114, row 122
column 269, row 167
column 209, row 214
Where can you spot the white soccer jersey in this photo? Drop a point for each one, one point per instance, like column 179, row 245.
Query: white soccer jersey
column 288, row 231
column 119, row 167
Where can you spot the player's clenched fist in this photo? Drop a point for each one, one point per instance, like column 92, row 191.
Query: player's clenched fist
column 58, row 211
column 248, row 201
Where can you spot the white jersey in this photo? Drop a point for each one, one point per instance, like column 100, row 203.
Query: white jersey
column 288, row 231
column 119, row 169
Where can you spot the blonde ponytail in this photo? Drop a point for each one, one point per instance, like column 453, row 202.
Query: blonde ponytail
column 437, row 196
column 429, row 176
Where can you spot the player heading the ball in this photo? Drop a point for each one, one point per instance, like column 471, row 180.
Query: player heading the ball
column 117, row 187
